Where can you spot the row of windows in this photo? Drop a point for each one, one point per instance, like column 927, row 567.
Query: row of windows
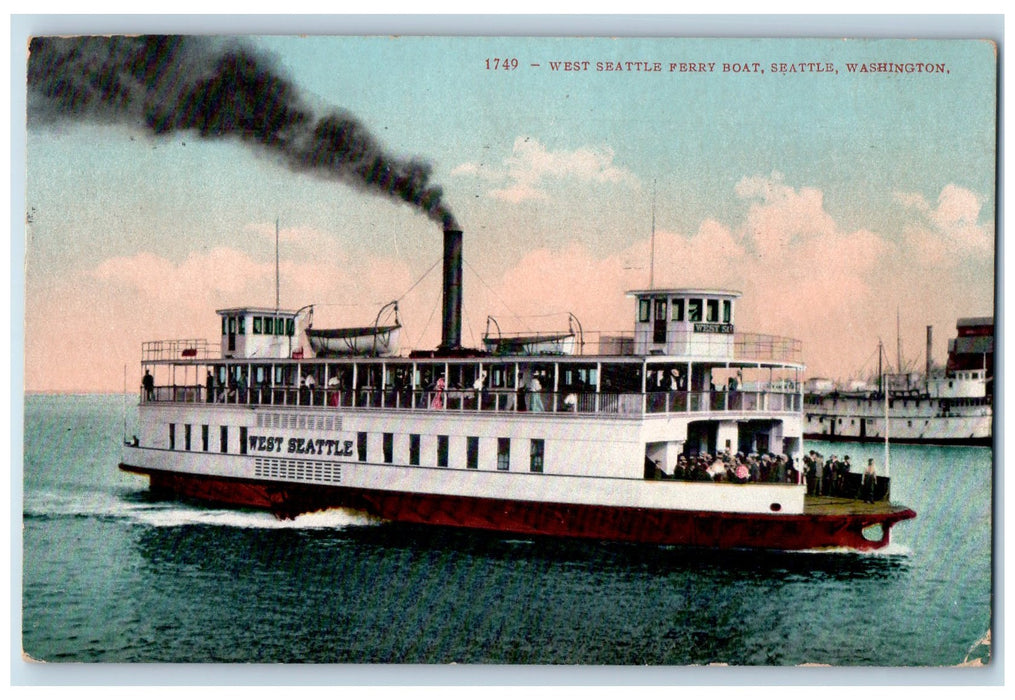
column 205, row 438
column 537, row 447
column 263, row 325
column 695, row 308
column 537, row 450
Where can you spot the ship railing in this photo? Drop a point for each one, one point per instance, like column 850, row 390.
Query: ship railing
column 179, row 349
column 774, row 348
column 723, row 401
column 734, row 347
column 488, row 400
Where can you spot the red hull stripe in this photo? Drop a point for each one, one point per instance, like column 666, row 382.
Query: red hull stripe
column 655, row 526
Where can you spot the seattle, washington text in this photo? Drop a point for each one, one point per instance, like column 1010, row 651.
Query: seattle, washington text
column 731, row 67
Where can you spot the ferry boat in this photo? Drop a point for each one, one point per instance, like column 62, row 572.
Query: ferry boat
column 953, row 406
column 574, row 445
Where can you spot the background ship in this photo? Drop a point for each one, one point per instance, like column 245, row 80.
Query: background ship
column 953, row 406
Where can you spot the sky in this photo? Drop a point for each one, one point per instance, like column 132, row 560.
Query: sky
column 839, row 203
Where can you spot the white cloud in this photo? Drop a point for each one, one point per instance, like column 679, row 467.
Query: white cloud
column 949, row 231
column 531, row 167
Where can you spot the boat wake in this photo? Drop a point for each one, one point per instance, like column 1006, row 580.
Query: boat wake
column 176, row 515
column 140, row 508
column 892, row 549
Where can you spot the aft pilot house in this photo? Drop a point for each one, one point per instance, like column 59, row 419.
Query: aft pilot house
column 260, row 332
column 694, row 322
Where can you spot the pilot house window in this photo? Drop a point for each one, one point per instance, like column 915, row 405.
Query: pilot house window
column 694, row 310
column 644, row 307
column 678, row 309
column 713, row 311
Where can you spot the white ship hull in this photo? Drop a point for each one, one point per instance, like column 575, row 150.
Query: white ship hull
column 911, row 420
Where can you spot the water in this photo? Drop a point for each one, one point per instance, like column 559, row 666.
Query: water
column 112, row 575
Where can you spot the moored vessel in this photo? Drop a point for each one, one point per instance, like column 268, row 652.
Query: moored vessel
column 949, row 406
column 576, row 444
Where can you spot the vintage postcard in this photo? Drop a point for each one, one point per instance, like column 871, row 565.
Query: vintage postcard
column 495, row 351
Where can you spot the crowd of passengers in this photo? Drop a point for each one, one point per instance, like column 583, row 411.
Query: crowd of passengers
column 824, row 477
column 737, row 468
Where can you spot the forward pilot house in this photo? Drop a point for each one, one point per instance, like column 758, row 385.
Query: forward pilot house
column 577, row 439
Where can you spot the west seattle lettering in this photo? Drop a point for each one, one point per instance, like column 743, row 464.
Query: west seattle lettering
column 713, row 327
column 300, row 446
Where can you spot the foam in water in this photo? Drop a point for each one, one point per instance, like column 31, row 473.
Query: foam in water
column 175, row 515
column 892, row 549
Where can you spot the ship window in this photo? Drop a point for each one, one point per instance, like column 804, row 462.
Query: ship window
column 243, row 439
column 232, row 324
column 243, row 324
column 503, row 454
column 204, row 438
column 442, row 450
column 643, row 310
column 224, row 328
column 536, row 455
column 172, row 436
column 678, row 309
column 727, row 311
column 414, row 450
column 290, row 326
column 660, row 309
column 269, row 325
column 258, row 325
column 389, row 448
column 472, row 452
column 186, row 437
column 223, row 438
column 713, row 311
column 361, row 446
column 694, row 310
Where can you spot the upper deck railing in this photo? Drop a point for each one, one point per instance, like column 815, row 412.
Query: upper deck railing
column 184, row 349
column 772, row 348
column 746, row 347
column 627, row 404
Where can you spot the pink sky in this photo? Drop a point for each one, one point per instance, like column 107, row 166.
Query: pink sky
column 801, row 275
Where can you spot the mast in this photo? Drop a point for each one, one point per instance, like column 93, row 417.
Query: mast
column 881, row 374
column 886, row 415
column 276, row 267
column 898, row 342
column 652, row 260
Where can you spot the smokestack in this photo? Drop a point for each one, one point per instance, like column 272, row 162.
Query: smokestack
column 451, row 330
column 930, row 336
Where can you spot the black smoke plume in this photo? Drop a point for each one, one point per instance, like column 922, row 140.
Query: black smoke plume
column 217, row 89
